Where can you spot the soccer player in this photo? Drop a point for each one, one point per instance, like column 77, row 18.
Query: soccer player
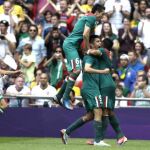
column 71, row 46
column 107, row 87
column 92, row 99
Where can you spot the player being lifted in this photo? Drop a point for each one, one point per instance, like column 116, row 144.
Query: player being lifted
column 71, row 46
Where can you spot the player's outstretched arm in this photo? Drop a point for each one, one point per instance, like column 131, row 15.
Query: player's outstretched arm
column 88, row 68
column 94, row 52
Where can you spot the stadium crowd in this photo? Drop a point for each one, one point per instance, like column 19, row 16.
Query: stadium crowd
column 32, row 33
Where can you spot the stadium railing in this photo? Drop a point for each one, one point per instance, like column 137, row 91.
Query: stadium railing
column 77, row 97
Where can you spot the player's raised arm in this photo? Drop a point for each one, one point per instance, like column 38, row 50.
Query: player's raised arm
column 86, row 36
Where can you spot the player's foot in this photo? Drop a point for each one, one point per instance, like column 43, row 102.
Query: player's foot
column 64, row 136
column 90, row 142
column 101, row 143
column 1, row 111
column 122, row 140
column 66, row 104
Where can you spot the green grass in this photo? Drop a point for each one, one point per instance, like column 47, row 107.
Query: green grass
column 74, row 144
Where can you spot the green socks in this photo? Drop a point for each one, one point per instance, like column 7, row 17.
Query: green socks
column 71, row 80
column 78, row 123
column 105, row 122
column 115, row 125
column 68, row 89
column 62, row 90
column 98, row 131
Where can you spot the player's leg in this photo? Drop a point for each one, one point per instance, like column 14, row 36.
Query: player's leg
column 108, row 95
column 121, row 139
column 97, row 122
column 75, row 125
column 105, row 122
column 74, row 68
column 60, row 93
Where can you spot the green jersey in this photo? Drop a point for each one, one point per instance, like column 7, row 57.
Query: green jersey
column 76, row 36
column 90, row 88
column 106, row 80
column 90, row 80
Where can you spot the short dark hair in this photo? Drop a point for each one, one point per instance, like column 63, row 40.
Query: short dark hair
column 144, row 78
column 107, row 43
column 4, row 22
column 35, row 26
column 28, row 46
column 97, row 7
column 93, row 37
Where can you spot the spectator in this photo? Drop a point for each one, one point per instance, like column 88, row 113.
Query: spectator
column 139, row 10
column 7, row 40
column 12, row 19
column 87, row 7
column 38, row 47
column 16, row 9
column 141, row 73
column 105, row 18
column 53, row 39
column 3, row 104
column 117, row 10
column 27, row 63
column 44, row 22
column 57, row 67
column 43, row 89
column 119, row 94
column 37, row 75
column 106, row 32
column 141, row 90
column 134, row 62
column 55, row 23
column 148, row 75
column 27, row 6
column 22, row 31
column 75, row 102
column 144, row 30
column 18, row 89
column 127, row 37
column 141, row 52
column 5, row 76
column 126, row 74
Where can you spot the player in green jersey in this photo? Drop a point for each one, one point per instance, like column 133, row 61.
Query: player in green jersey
column 92, row 99
column 107, row 87
column 93, row 104
column 71, row 46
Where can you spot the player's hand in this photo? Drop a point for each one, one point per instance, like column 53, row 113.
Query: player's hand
column 106, row 70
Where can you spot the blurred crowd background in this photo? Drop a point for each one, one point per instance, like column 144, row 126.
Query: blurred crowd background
column 32, row 33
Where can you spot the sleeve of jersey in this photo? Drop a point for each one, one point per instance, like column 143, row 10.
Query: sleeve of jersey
column 89, row 59
column 90, row 21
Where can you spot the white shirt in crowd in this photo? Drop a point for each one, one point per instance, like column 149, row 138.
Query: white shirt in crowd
column 117, row 17
column 4, row 48
column 144, row 25
column 16, row 102
column 7, row 18
column 49, row 91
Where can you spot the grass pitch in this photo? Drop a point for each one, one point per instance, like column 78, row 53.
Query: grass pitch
column 73, row 144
